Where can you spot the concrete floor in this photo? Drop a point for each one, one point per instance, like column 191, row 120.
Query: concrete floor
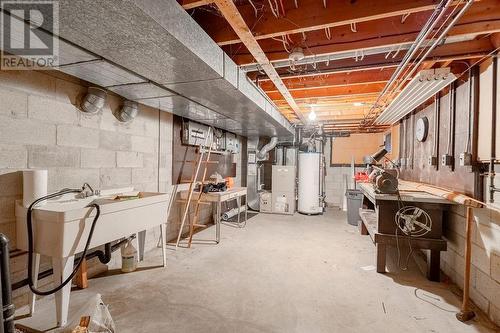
column 279, row 274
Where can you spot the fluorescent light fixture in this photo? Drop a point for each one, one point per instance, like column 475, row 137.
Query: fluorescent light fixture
column 357, row 104
column 422, row 87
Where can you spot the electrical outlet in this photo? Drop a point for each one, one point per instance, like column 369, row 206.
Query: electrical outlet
column 403, row 162
column 432, row 161
column 446, row 160
column 465, row 159
column 408, row 161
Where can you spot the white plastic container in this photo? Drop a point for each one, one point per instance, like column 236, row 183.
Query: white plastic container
column 129, row 257
column 34, row 186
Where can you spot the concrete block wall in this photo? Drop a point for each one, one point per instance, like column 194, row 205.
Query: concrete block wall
column 41, row 127
column 336, row 179
column 485, row 268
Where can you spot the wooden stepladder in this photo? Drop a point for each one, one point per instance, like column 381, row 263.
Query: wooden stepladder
column 204, row 152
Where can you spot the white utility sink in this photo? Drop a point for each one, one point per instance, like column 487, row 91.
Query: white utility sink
column 61, row 228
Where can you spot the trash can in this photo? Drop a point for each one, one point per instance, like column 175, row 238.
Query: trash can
column 354, row 203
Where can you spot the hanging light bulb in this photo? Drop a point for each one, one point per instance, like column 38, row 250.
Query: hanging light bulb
column 312, row 115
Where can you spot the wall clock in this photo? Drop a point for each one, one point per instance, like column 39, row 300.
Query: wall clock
column 422, row 129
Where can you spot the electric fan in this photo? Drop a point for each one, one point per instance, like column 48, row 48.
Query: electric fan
column 413, row 221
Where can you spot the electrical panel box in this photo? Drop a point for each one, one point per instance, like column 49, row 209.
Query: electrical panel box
column 194, row 134
column 465, row 159
column 232, row 143
column 446, row 160
column 219, row 140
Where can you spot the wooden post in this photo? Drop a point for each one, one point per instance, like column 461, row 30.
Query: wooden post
column 81, row 279
column 465, row 313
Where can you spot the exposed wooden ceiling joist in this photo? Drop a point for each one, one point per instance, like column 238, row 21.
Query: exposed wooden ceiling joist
column 311, row 15
column 230, row 12
column 332, row 91
column 448, row 52
column 467, row 30
column 495, row 40
column 482, row 16
column 333, row 79
column 190, row 4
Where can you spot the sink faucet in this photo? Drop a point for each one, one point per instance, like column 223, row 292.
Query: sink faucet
column 88, row 191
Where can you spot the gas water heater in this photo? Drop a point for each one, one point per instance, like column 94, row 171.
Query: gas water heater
column 310, row 197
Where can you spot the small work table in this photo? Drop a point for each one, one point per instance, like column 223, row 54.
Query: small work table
column 379, row 222
column 217, row 198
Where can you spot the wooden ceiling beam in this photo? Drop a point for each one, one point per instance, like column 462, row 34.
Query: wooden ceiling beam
column 387, row 40
column 333, row 79
column 331, row 99
column 190, row 4
column 230, row 12
column 495, row 40
column 480, row 16
column 454, row 51
column 311, row 15
column 332, row 91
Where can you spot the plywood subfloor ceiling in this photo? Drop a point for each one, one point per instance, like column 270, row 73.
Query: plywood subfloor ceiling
column 351, row 49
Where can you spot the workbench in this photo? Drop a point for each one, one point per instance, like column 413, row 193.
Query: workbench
column 217, row 198
column 378, row 221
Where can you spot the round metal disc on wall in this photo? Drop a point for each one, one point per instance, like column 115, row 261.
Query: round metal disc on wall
column 422, row 129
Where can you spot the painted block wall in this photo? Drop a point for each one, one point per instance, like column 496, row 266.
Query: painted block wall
column 485, row 268
column 485, row 276
column 337, row 180
column 41, row 127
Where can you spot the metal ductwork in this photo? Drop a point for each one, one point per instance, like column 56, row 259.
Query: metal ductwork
column 128, row 111
column 94, row 101
column 253, row 172
column 178, row 68
column 262, row 154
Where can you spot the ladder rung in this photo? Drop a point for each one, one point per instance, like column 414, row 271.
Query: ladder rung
column 210, row 162
column 200, row 225
column 194, row 201
column 189, row 181
column 215, row 152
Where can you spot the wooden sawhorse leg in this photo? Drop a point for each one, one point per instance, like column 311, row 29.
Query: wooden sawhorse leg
column 433, row 263
column 381, row 257
column 362, row 228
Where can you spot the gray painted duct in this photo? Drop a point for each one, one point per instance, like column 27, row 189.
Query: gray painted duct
column 254, row 169
column 252, row 175
column 164, row 60
column 261, row 154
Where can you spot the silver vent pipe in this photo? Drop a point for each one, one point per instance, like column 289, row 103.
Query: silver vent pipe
column 94, row 101
column 261, row 154
column 127, row 112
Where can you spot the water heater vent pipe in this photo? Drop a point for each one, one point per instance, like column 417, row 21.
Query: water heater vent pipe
column 261, row 154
